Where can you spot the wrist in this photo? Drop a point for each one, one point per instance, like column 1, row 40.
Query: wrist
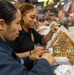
column 51, row 32
column 30, row 52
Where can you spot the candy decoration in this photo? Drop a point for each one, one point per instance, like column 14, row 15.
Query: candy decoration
column 45, row 3
column 48, row 3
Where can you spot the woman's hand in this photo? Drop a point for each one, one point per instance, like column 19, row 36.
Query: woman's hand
column 37, row 53
column 48, row 57
column 37, row 50
column 54, row 27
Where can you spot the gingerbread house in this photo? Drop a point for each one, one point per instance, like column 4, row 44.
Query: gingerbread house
column 63, row 46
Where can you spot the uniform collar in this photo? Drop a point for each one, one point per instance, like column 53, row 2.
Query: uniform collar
column 5, row 45
column 24, row 32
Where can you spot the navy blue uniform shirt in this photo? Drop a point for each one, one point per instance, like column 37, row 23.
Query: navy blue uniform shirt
column 10, row 64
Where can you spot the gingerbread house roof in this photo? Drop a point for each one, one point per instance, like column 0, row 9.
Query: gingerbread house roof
column 59, row 35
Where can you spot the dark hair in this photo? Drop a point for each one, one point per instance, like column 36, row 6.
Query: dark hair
column 63, row 11
column 27, row 1
column 25, row 7
column 7, row 11
column 52, row 14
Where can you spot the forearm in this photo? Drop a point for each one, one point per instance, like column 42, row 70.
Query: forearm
column 23, row 55
column 42, row 68
column 28, row 63
column 47, row 37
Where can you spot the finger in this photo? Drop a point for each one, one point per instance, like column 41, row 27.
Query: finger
column 39, row 48
column 40, row 54
column 46, row 51
column 37, row 58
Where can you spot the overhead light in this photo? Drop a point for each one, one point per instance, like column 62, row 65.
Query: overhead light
column 13, row 2
column 55, row 6
column 41, row 0
column 62, row 3
column 34, row 5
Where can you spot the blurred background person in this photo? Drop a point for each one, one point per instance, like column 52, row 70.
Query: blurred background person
column 71, row 19
column 62, row 19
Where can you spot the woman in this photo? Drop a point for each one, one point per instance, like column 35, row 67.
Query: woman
column 10, row 64
column 24, row 44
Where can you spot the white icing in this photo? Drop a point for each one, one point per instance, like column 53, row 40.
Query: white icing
column 64, row 70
